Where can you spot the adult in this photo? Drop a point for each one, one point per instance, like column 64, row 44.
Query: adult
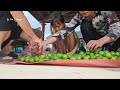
column 9, row 20
column 99, row 29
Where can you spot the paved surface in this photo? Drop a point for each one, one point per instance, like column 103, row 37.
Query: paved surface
column 56, row 72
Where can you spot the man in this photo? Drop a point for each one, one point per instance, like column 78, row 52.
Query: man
column 9, row 21
column 99, row 29
column 15, row 40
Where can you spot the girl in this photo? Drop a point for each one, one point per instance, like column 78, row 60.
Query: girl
column 69, row 44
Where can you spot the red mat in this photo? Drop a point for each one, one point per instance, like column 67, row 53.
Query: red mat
column 75, row 63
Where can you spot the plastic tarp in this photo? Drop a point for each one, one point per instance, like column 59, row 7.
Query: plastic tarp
column 75, row 63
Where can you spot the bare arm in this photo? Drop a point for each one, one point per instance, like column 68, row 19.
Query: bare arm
column 113, row 31
column 24, row 24
column 105, row 39
column 51, row 40
column 48, row 41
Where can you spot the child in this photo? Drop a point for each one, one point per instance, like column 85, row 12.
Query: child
column 70, row 44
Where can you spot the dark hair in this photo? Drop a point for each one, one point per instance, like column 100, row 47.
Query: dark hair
column 57, row 17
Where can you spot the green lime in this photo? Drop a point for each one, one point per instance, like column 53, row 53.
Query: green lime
column 86, row 58
column 82, row 53
column 91, row 54
column 101, row 53
column 36, row 56
column 97, row 51
column 105, row 51
column 22, row 59
column 117, row 54
column 92, row 57
column 27, row 59
column 113, row 58
column 40, row 60
column 118, row 58
column 69, row 56
column 32, row 60
column 49, row 56
column 64, row 57
column 112, row 53
column 36, row 59
column 97, row 55
column 73, row 58
column 46, row 59
column 92, row 51
column 55, row 58
column 42, row 56
column 79, row 58
column 75, row 55
column 87, row 52
column 104, row 58
column 108, row 55
column 59, row 55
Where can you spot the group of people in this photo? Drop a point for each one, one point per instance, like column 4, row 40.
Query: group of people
column 100, row 29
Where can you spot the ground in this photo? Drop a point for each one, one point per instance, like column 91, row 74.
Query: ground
column 56, row 72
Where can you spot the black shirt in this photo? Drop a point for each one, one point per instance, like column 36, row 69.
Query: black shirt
column 6, row 21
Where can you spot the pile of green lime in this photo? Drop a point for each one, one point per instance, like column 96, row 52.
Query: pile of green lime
column 88, row 55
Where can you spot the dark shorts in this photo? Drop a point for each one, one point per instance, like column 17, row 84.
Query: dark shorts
column 15, row 34
column 6, row 21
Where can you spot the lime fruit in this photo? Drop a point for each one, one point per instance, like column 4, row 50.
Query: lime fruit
column 32, row 60
column 64, row 57
column 22, row 59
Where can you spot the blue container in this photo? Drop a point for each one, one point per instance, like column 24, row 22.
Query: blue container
column 18, row 49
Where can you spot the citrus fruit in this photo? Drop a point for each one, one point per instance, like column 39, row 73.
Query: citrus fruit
column 73, row 58
column 64, row 57
column 91, row 54
column 27, row 59
column 36, row 59
column 101, row 53
column 78, row 57
column 32, row 60
column 108, row 55
column 22, row 59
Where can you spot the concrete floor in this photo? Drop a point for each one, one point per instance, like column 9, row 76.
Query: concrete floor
column 56, row 72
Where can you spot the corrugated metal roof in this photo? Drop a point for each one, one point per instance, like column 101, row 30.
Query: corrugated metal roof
column 45, row 15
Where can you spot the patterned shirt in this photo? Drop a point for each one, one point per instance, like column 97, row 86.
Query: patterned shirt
column 104, row 22
column 62, row 34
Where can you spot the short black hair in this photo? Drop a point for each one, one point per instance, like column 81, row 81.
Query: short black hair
column 57, row 17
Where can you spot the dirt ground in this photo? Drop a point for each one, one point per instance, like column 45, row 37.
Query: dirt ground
column 56, row 72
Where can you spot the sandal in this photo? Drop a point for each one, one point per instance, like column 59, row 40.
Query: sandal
column 4, row 60
column 13, row 55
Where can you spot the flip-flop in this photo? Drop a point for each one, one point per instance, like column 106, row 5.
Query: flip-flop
column 4, row 60
column 13, row 55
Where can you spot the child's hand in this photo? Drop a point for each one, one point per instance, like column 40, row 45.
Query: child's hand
column 71, row 52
